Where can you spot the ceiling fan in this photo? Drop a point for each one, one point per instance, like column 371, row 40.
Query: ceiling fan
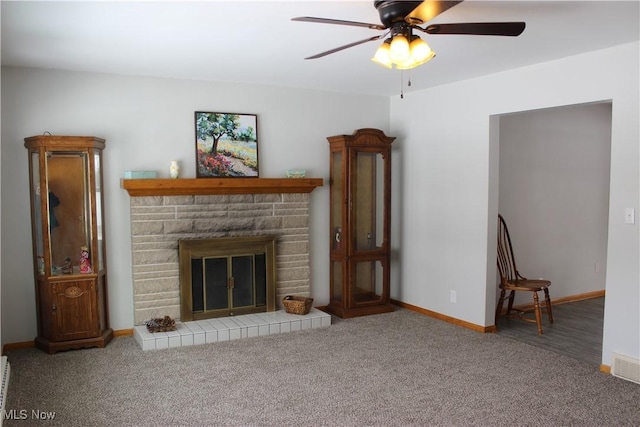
column 399, row 19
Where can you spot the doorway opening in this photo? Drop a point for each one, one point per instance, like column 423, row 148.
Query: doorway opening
column 550, row 180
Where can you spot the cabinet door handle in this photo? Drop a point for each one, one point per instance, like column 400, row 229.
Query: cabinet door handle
column 53, row 307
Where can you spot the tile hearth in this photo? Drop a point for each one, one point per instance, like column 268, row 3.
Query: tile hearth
column 230, row 328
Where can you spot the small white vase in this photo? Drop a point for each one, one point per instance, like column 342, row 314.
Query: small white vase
column 174, row 169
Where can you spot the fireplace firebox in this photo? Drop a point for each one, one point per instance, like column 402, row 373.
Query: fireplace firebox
column 226, row 276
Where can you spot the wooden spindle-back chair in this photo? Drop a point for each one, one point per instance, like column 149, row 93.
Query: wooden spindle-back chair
column 511, row 280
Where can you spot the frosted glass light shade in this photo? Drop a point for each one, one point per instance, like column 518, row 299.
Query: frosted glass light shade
column 399, row 49
column 420, row 50
column 381, row 56
column 411, row 54
column 420, row 53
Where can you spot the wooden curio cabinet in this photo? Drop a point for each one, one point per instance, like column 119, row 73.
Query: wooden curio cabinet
column 360, row 205
column 67, row 222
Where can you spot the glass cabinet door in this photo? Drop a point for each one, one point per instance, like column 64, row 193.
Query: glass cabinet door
column 337, row 204
column 37, row 212
column 99, row 221
column 69, row 212
column 367, row 204
column 336, row 227
column 367, row 276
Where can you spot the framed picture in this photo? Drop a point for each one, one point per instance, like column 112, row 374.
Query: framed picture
column 226, row 145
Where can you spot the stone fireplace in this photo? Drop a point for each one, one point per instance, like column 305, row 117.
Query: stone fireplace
column 163, row 213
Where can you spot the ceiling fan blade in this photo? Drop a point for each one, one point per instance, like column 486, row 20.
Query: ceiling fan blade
column 427, row 10
column 337, row 49
column 478, row 28
column 338, row 22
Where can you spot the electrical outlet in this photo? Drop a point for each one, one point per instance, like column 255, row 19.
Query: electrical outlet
column 453, row 297
column 597, row 267
column 629, row 216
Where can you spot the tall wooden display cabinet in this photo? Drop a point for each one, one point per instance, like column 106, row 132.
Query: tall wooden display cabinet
column 360, row 224
column 67, row 221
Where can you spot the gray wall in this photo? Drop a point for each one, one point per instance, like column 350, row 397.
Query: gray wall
column 554, row 194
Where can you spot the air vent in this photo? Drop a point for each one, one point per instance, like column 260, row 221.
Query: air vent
column 626, row 368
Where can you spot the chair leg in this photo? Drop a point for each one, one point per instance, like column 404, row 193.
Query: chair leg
column 499, row 306
column 548, row 301
column 512, row 296
column 536, row 308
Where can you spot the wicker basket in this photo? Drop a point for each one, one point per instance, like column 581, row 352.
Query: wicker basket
column 161, row 324
column 297, row 305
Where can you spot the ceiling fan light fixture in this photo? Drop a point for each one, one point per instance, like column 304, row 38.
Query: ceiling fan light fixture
column 419, row 53
column 381, row 56
column 399, row 50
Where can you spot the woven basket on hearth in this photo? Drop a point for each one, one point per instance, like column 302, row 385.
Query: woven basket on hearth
column 297, row 305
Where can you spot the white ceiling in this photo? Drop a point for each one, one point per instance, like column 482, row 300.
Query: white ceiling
column 256, row 42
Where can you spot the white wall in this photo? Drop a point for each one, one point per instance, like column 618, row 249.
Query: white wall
column 147, row 122
column 554, row 194
column 449, row 194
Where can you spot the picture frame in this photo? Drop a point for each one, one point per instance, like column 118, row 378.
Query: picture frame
column 226, row 145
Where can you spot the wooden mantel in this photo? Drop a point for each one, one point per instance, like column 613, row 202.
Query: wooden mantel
column 207, row 186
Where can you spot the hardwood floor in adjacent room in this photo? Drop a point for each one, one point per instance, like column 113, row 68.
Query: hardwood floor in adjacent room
column 576, row 330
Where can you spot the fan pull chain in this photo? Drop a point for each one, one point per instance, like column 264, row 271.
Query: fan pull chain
column 402, row 83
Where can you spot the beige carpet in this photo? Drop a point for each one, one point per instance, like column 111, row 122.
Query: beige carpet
column 393, row 369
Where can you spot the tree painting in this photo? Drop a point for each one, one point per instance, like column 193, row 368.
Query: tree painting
column 226, row 145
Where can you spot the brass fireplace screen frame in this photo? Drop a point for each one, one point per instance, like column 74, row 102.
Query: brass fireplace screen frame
column 219, row 248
